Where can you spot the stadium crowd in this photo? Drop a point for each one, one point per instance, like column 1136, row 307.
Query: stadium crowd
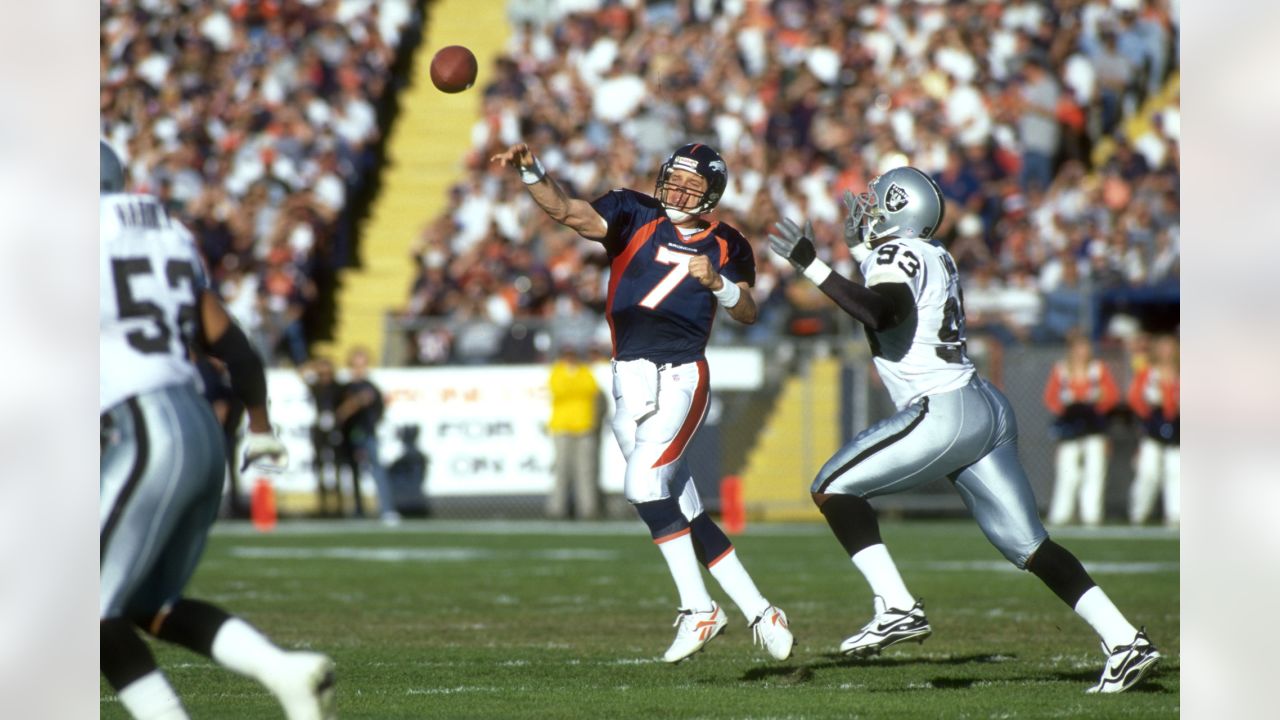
column 1003, row 103
column 257, row 122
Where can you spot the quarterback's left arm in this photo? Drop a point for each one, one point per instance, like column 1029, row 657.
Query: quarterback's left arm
column 735, row 297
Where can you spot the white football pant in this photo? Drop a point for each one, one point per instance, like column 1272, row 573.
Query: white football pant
column 1082, row 474
column 1158, row 468
column 659, row 408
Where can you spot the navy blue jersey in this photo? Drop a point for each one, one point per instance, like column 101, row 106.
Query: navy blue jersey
column 656, row 311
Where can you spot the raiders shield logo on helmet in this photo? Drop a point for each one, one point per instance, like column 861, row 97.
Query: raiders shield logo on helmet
column 895, row 198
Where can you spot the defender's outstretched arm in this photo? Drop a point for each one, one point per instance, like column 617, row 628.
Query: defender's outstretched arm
column 879, row 307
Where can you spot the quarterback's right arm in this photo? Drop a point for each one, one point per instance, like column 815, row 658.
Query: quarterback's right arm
column 879, row 307
column 573, row 213
column 225, row 340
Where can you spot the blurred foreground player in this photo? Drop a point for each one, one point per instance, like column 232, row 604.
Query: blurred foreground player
column 669, row 269
column 161, row 463
column 950, row 422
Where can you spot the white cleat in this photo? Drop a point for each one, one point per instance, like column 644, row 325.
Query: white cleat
column 1126, row 664
column 693, row 631
column 303, row 683
column 771, row 631
column 890, row 626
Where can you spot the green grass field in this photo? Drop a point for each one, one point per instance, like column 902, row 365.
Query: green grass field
column 531, row 620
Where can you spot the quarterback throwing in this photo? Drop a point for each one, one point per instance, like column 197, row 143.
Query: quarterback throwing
column 669, row 270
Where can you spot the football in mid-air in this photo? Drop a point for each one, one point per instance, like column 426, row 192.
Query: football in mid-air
column 453, row 69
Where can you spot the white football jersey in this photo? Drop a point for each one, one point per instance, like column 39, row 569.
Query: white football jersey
column 150, row 280
column 924, row 354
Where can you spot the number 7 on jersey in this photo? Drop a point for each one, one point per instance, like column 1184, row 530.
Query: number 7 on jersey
column 679, row 272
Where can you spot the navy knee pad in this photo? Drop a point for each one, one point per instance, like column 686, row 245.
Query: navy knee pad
column 663, row 517
column 709, row 541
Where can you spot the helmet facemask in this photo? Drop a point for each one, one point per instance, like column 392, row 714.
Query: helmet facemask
column 698, row 160
column 868, row 216
column 696, row 201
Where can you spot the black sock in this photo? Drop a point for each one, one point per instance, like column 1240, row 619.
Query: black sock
column 122, row 654
column 1061, row 571
column 193, row 625
column 853, row 521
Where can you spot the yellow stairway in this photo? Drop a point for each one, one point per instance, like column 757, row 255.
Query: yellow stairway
column 425, row 153
column 1141, row 121
column 800, row 434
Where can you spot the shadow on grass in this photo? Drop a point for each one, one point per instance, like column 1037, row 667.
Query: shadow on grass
column 804, row 672
column 836, row 660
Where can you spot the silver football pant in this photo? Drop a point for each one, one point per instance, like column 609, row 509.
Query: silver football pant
column 968, row 435
column 160, row 484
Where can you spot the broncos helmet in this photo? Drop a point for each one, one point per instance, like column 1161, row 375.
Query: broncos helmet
column 699, row 159
column 110, row 169
column 902, row 203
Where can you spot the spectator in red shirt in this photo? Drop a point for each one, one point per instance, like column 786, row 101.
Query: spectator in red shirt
column 1154, row 397
column 1080, row 392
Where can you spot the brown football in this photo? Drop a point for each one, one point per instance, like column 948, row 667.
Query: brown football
column 453, row 69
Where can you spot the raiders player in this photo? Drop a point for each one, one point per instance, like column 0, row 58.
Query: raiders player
column 669, row 270
column 950, row 423
column 162, row 462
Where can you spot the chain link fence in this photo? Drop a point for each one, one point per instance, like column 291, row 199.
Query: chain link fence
column 735, row 419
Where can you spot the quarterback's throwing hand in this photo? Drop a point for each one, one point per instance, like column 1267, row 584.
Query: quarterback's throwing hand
column 793, row 244
column 700, row 269
column 517, row 155
column 264, row 452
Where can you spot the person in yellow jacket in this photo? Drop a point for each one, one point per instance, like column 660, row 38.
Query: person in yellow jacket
column 575, row 430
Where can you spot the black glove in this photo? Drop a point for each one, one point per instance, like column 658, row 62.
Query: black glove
column 794, row 245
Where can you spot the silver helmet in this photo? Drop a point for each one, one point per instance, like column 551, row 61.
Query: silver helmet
column 110, row 169
column 902, row 203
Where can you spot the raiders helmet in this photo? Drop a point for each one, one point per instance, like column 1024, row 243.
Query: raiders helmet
column 110, row 169
column 902, row 203
column 704, row 161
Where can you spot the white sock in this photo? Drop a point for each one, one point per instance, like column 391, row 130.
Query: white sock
column 1105, row 619
column 738, row 585
column 687, row 573
column 242, row 649
column 151, row 697
column 878, row 568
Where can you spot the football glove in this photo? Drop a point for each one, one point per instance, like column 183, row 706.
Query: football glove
column 793, row 244
column 264, row 452
column 859, row 246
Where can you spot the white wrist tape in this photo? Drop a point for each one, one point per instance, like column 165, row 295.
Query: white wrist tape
column 533, row 173
column 817, row 271
column 728, row 295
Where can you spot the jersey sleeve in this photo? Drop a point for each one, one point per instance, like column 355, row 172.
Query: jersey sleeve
column 739, row 265
column 617, row 207
column 895, row 263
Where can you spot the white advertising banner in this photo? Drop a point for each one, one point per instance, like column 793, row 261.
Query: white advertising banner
column 483, row 428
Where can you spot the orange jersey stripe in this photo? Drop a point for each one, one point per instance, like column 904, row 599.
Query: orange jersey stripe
column 619, row 265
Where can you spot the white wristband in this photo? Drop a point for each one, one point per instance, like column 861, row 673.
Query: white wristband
column 817, row 271
column 533, row 173
column 728, row 295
